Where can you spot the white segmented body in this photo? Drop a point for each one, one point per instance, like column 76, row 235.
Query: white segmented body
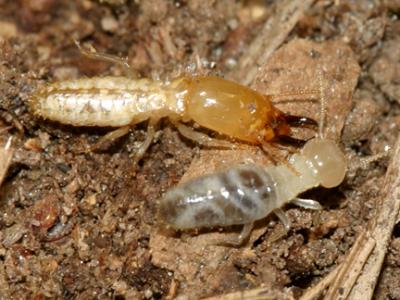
column 106, row 101
column 233, row 197
column 246, row 193
column 240, row 195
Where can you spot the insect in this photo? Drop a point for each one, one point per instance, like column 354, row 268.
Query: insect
column 214, row 103
column 246, row 193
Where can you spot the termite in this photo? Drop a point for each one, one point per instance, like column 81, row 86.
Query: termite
column 246, row 193
column 223, row 106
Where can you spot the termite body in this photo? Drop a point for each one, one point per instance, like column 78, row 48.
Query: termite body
column 246, row 193
column 212, row 102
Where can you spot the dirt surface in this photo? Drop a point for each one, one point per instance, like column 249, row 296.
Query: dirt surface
column 76, row 224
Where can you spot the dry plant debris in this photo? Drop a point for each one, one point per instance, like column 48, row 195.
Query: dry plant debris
column 341, row 280
column 381, row 229
column 6, row 155
column 256, row 294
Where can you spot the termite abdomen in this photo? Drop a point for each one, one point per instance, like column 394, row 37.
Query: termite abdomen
column 237, row 196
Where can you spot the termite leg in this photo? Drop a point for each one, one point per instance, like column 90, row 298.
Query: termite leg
column 240, row 239
column 276, row 158
column 304, row 203
column 307, row 203
column 283, row 217
column 286, row 224
column 147, row 142
column 201, row 138
column 110, row 137
column 93, row 54
column 245, row 233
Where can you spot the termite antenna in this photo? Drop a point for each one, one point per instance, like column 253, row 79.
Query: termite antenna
column 91, row 53
column 322, row 109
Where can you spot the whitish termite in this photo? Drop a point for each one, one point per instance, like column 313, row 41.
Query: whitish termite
column 223, row 106
column 246, row 193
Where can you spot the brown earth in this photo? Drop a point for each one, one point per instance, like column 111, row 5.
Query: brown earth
column 81, row 225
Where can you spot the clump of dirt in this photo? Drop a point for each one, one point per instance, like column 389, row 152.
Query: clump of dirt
column 78, row 224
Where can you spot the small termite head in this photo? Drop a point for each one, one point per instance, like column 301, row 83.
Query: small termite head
column 327, row 161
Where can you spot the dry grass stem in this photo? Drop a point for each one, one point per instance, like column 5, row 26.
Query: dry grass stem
column 255, row 294
column 6, row 154
column 344, row 276
column 382, row 229
column 351, row 268
column 316, row 291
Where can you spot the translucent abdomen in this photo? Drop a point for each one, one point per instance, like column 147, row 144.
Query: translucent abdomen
column 240, row 195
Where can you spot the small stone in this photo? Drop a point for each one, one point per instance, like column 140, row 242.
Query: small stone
column 148, row 294
column 109, row 24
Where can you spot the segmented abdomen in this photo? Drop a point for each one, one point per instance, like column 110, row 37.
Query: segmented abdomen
column 240, row 195
column 106, row 101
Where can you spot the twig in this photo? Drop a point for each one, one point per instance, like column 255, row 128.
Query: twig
column 272, row 35
column 382, row 229
column 351, row 268
column 316, row 291
column 342, row 279
column 255, row 294
column 6, row 154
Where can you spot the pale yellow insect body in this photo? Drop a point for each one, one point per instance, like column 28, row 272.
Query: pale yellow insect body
column 107, row 101
column 212, row 102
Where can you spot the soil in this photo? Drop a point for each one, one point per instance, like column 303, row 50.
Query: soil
column 78, row 224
